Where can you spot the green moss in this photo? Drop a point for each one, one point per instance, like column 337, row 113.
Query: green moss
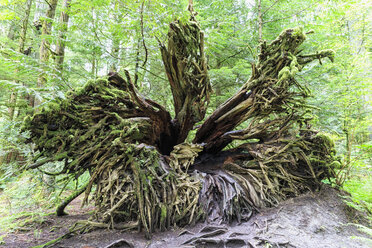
column 336, row 165
column 163, row 213
column 326, row 140
column 102, row 81
column 316, row 161
column 79, row 91
column 117, row 142
column 328, row 53
column 26, row 123
column 53, row 107
column 298, row 33
column 284, row 74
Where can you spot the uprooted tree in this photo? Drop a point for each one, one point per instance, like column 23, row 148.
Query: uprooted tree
column 144, row 174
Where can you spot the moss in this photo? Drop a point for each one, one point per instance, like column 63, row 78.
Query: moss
column 53, row 107
column 316, row 161
column 61, row 156
column 27, row 122
column 328, row 53
column 163, row 213
column 335, row 165
column 79, row 91
column 102, row 81
column 117, row 142
column 298, row 33
column 326, row 140
column 70, row 94
column 284, row 74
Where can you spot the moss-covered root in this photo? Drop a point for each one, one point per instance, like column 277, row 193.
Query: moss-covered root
column 61, row 208
column 140, row 186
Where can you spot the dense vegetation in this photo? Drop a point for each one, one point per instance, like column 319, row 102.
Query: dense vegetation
column 48, row 48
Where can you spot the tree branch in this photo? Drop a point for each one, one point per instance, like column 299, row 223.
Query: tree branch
column 289, row 16
column 143, row 36
column 272, row 5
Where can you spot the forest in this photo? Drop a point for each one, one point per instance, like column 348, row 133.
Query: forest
column 190, row 123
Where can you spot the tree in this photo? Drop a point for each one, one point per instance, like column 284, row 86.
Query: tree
column 45, row 44
column 21, row 46
column 148, row 177
column 60, row 46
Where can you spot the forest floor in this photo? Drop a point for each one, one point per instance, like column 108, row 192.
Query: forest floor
column 320, row 219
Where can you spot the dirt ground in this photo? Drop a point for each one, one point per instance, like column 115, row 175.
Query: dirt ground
column 319, row 219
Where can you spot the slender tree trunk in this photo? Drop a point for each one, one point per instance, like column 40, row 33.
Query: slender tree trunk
column 22, row 39
column 260, row 21
column 44, row 58
column 44, row 46
column 115, row 48
column 40, row 7
column 136, row 68
column 140, row 40
column 12, row 103
column 11, row 32
column 346, row 130
column 115, row 54
column 13, row 96
column 93, row 66
column 61, row 42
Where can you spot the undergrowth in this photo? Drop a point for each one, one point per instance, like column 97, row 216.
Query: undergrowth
column 359, row 181
column 23, row 202
column 26, row 202
column 360, row 187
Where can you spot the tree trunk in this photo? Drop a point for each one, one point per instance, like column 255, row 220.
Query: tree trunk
column 93, row 70
column 61, row 42
column 260, row 21
column 266, row 93
column 21, row 46
column 186, row 67
column 45, row 44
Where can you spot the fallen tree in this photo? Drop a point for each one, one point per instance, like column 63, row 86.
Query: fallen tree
column 146, row 176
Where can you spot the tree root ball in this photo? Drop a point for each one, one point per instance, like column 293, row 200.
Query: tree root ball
column 144, row 174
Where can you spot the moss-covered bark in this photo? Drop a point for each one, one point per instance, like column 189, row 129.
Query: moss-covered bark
column 186, row 68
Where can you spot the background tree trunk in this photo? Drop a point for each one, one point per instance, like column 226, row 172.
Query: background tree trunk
column 45, row 44
column 21, row 47
column 260, row 21
column 61, row 42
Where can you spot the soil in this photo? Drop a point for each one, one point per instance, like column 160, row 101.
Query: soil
column 320, row 219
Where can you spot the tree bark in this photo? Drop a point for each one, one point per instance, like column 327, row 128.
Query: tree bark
column 61, row 42
column 60, row 211
column 186, row 67
column 21, row 46
column 266, row 93
column 45, row 44
column 260, row 21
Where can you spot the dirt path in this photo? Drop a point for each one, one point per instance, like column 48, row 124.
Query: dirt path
column 312, row 220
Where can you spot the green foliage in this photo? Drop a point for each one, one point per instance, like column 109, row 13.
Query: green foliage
column 360, row 187
column 22, row 202
column 25, row 201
